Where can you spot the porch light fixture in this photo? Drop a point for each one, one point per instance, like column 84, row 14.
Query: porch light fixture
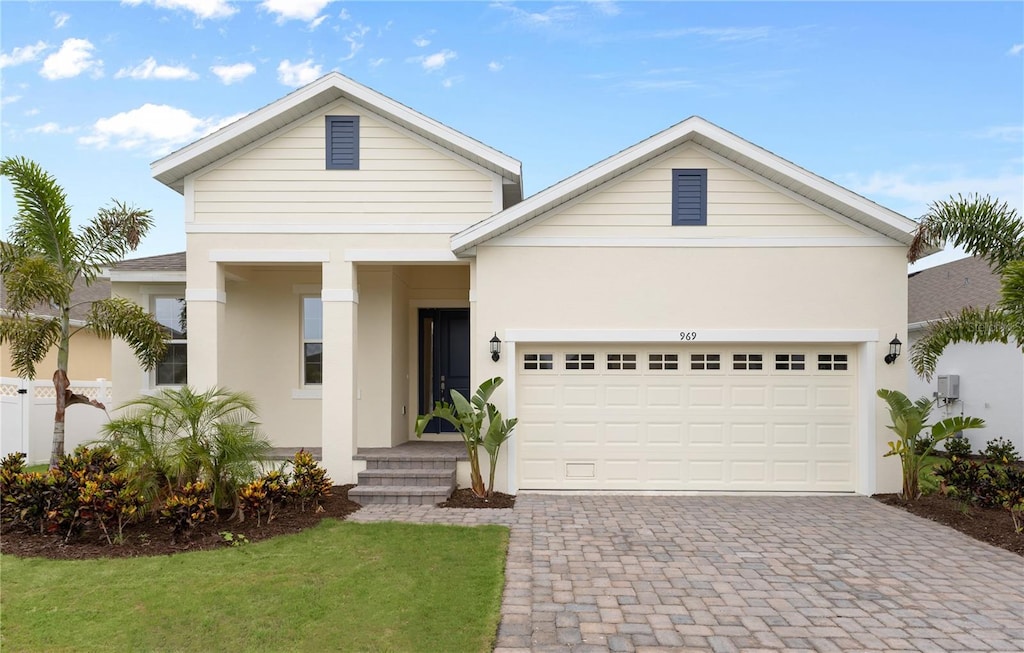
column 495, row 348
column 894, row 350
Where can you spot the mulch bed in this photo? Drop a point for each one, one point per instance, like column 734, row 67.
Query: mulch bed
column 990, row 525
column 464, row 498
column 152, row 539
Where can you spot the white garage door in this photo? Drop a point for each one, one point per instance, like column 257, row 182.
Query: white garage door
column 621, row 417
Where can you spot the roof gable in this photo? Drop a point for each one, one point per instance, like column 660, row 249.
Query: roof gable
column 716, row 140
column 950, row 288
column 173, row 168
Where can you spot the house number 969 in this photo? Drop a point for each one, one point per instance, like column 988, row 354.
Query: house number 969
column 687, row 335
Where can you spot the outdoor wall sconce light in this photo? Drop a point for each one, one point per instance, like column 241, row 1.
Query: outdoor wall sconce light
column 894, row 350
column 495, row 348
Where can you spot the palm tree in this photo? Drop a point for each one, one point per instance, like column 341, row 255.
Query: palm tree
column 990, row 230
column 40, row 263
column 179, row 436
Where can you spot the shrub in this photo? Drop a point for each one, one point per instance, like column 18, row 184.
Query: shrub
column 310, row 482
column 187, row 508
column 1010, row 495
column 958, row 446
column 11, row 466
column 1001, row 450
column 264, row 495
column 109, row 502
column 970, row 482
column 923, row 445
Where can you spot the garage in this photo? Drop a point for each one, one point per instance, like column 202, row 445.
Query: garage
column 738, row 417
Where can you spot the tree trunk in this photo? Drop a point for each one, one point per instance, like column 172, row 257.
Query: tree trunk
column 60, row 385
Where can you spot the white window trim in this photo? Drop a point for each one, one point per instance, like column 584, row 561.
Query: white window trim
column 151, row 386
column 308, row 390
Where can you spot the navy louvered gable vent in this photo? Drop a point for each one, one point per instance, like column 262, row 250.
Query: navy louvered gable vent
column 342, row 142
column 689, row 197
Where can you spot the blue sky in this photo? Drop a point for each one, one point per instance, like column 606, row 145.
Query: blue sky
column 904, row 103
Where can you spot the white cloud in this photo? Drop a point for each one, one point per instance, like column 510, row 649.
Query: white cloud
column 374, row 63
column 606, row 7
column 74, row 58
column 51, row 128
column 434, row 62
column 421, row 42
column 317, row 22
column 9, row 99
column 30, row 112
column 60, row 19
column 355, row 40
column 552, row 17
column 495, row 66
column 344, row 15
column 1007, row 133
column 911, row 191
column 1016, row 49
column 202, row 9
column 149, row 69
column 155, row 128
column 304, row 10
column 449, row 82
column 233, row 73
column 22, row 55
column 297, row 74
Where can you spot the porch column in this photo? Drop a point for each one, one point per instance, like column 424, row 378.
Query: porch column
column 340, row 310
column 204, row 300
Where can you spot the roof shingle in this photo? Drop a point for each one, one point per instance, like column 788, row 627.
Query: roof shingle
column 949, row 288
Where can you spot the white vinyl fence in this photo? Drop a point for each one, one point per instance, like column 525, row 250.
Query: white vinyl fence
column 26, row 416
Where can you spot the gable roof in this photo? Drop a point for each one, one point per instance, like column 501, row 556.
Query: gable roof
column 82, row 297
column 949, row 288
column 173, row 168
column 174, row 262
column 712, row 137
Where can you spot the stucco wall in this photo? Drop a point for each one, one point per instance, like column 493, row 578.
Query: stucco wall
column 991, row 387
column 88, row 359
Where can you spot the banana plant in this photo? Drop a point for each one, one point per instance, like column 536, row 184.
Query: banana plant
column 909, row 418
column 468, row 416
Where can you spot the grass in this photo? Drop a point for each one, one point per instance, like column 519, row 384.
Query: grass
column 339, row 586
column 42, row 467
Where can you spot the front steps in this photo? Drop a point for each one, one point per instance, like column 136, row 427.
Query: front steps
column 396, row 479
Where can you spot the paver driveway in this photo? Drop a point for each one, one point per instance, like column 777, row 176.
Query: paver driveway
column 723, row 573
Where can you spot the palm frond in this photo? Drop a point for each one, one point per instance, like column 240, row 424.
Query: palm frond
column 1012, row 298
column 30, row 339
column 114, row 232
column 970, row 325
column 31, row 280
column 982, row 226
column 127, row 320
column 43, row 222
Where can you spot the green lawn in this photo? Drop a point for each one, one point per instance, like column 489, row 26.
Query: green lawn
column 339, row 586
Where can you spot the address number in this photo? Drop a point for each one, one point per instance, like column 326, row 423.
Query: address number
column 687, row 335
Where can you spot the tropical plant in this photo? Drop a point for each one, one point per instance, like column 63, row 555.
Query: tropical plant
column 1001, row 450
column 310, row 482
column 985, row 228
column 179, row 436
column 908, row 420
column 40, row 264
column 188, row 507
column 468, row 416
column 958, row 446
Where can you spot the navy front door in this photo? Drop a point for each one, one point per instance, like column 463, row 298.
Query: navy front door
column 444, row 359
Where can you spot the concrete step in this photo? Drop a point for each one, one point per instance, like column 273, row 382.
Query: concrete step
column 414, row 495
column 400, row 477
column 410, row 462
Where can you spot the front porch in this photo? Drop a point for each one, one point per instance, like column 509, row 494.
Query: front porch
column 410, row 473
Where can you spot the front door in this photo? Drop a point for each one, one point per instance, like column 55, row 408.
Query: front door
column 444, row 359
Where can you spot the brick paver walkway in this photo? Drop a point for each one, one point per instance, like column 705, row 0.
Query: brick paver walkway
column 727, row 574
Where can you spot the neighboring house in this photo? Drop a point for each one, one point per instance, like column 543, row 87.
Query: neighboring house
column 28, row 406
column 991, row 376
column 692, row 313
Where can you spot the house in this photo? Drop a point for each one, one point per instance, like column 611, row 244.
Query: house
column 26, row 423
column 990, row 377
column 692, row 313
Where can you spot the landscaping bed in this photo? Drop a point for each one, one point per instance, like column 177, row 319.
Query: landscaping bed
column 464, row 498
column 149, row 538
column 990, row 525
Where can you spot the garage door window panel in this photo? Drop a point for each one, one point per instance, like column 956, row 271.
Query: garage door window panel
column 662, row 362
column 748, row 362
column 579, row 362
column 538, row 362
column 790, row 362
column 705, row 362
column 621, row 362
column 833, row 363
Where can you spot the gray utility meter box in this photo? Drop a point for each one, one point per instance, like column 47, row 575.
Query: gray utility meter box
column 949, row 386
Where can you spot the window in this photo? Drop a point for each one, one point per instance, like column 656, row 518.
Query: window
column 170, row 313
column 621, row 361
column 794, row 362
column 705, row 361
column 663, row 361
column 342, row 142
column 538, row 361
column 747, row 362
column 832, row 362
column 312, row 341
column 579, row 361
column 689, row 197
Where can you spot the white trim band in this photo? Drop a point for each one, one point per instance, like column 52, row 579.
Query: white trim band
column 256, row 228
column 582, row 241
column 270, row 255
column 147, row 276
column 401, row 256
column 205, row 295
column 339, row 295
column 701, row 335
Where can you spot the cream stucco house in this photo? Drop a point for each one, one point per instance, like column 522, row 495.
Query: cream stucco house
column 692, row 313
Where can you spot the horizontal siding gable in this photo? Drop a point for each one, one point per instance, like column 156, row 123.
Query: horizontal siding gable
column 639, row 205
column 342, row 142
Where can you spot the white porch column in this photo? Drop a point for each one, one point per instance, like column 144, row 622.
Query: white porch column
column 205, row 299
column 340, row 310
